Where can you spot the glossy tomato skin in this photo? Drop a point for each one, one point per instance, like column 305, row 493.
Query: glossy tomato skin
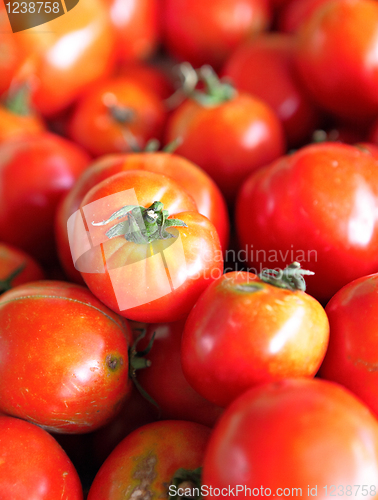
column 316, row 206
column 33, row 465
column 243, row 332
column 132, row 278
column 325, row 436
column 65, row 357
column 207, row 33
column 145, row 462
column 264, row 67
column 342, row 77
column 11, row 259
column 35, row 172
column 228, row 140
column 206, row 194
column 351, row 357
column 65, row 58
column 165, row 382
column 94, row 126
column 135, row 24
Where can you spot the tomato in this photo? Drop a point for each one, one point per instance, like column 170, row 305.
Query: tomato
column 16, row 268
column 208, row 32
column 229, row 135
column 203, row 190
column 64, row 57
column 136, row 269
column 164, row 380
column 244, row 331
column 294, row 438
column 64, row 357
column 33, row 465
column 117, row 115
column 351, row 356
column 136, row 28
column 264, row 68
column 146, row 462
column 296, row 12
column 342, row 76
column 316, row 206
column 35, row 172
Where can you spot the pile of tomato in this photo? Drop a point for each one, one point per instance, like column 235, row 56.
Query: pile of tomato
column 189, row 251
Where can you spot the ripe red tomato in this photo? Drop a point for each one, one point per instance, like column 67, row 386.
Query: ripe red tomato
column 117, row 115
column 164, row 380
column 16, row 268
column 351, row 356
column 316, row 206
column 33, row 465
column 264, row 68
column 64, row 357
column 147, row 461
column 243, row 332
column 136, row 27
column 203, row 190
column 208, row 32
column 337, row 57
column 136, row 269
column 229, row 139
column 35, row 172
column 64, row 58
column 295, row 438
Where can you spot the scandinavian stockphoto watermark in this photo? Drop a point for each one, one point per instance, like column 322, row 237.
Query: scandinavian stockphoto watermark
column 94, row 231
column 24, row 15
column 333, row 490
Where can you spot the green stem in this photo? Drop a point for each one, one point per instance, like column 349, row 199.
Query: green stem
column 138, row 362
column 290, row 278
column 216, row 91
column 18, row 101
column 184, row 478
column 142, row 225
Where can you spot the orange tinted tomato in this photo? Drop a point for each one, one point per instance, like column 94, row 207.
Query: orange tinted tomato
column 151, row 456
column 64, row 357
column 117, row 115
column 243, row 332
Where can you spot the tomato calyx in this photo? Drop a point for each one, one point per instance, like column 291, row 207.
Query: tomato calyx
column 184, row 479
column 6, row 284
column 290, row 278
column 215, row 91
column 18, row 100
column 137, row 361
column 142, row 225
